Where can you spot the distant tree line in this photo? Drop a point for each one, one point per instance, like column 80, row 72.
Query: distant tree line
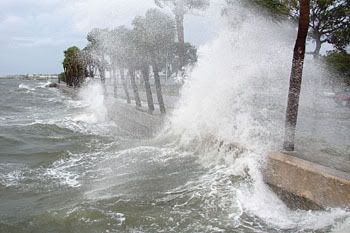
column 149, row 46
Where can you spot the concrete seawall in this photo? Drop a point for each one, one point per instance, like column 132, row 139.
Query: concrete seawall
column 324, row 186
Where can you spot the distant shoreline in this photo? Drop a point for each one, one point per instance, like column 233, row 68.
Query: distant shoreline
column 31, row 77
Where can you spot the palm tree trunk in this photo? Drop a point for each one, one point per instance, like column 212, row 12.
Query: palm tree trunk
column 115, row 87
column 102, row 74
column 122, row 76
column 91, row 71
column 158, row 89
column 70, row 77
column 318, row 47
column 134, row 87
column 179, row 19
column 296, row 76
column 145, row 75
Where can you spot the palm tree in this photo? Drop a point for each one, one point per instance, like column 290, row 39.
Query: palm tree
column 158, row 88
column 145, row 76
column 280, row 9
column 74, row 66
column 134, row 87
column 86, row 54
column 134, row 61
column 296, row 76
column 98, row 41
column 125, row 87
column 138, row 38
column 155, row 35
column 119, row 40
column 180, row 8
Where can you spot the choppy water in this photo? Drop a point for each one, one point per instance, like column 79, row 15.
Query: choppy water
column 67, row 168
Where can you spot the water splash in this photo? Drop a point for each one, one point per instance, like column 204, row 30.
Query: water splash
column 238, row 88
column 25, row 87
column 92, row 96
column 232, row 109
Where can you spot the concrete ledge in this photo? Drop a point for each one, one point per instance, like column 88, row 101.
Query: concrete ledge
column 324, row 186
column 139, row 123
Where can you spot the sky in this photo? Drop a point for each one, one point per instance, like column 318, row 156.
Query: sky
column 34, row 33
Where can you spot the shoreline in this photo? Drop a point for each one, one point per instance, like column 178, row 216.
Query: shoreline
column 311, row 184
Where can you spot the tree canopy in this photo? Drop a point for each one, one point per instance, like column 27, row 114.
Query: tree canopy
column 329, row 23
column 74, row 66
column 339, row 63
column 154, row 36
column 276, row 9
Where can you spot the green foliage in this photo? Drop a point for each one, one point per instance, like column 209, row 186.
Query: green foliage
column 74, row 66
column 329, row 19
column 339, row 62
column 191, row 56
column 340, row 39
column 330, row 22
column 276, row 9
column 62, row 77
column 151, row 42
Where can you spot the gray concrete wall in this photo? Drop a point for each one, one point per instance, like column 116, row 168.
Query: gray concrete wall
column 321, row 185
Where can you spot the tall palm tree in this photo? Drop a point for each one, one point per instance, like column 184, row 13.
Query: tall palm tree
column 278, row 9
column 134, row 87
column 118, row 51
column 74, row 66
column 133, row 61
column 155, row 35
column 296, row 76
column 145, row 76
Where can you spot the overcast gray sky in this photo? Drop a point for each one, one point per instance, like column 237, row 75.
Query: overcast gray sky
column 34, row 33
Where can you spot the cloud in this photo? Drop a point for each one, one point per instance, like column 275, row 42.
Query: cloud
column 88, row 14
column 35, row 32
column 50, row 26
column 20, row 42
column 11, row 21
column 64, row 18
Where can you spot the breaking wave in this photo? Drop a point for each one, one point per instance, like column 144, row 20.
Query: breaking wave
column 231, row 115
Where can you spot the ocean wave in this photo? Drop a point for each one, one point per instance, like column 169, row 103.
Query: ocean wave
column 25, row 87
column 65, row 171
column 9, row 141
column 67, row 125
column 11, row 174
column 44, row 85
